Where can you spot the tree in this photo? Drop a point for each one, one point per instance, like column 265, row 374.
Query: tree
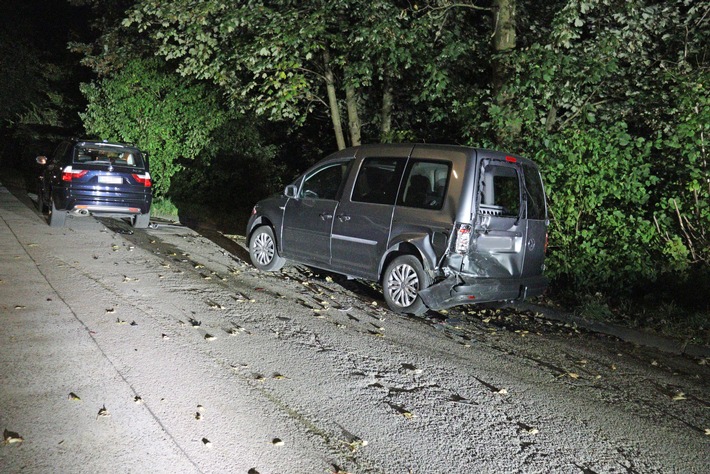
column 164, row 114
column 610, row 97
column 286, row 60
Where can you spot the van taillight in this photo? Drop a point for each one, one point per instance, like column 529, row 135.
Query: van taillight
column 463, row 238
column 68, row 173
column 143, row 179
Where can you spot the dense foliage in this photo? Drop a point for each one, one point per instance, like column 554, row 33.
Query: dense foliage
column 164, row 114
column 609, row 96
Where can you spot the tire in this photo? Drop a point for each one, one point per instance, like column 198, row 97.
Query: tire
column 263, row 252
column 41, row 206
column 401, row 282
column 141, row 221
column 56, row 217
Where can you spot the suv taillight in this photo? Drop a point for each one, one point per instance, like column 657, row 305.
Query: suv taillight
column 68, row 173
column 143, row 179
column 463, row 238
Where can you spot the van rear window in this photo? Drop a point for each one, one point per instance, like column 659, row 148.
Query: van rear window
column 535, row 193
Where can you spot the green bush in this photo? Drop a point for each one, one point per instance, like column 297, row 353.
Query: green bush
column 161, row 112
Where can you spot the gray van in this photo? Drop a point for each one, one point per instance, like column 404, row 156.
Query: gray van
column 436, row 225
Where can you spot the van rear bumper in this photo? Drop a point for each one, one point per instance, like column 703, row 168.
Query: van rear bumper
column 458, row 289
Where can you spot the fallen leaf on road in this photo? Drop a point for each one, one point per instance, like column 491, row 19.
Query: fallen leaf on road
column 138, row 400
column 195, row 323
column 74, row 397
column 110, row 310
column 198, row 416
column 707, row 431
column 502, row 391
column 573, row 375
column 120, row 321
column 214, row 305
column 277, row 442
column 207, row 442
column 679, row 396
column 20, row 307
column 103, row 412
column 10, row 437
column 209, row 337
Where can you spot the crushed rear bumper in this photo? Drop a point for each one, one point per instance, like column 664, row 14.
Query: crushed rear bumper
column 458, row 289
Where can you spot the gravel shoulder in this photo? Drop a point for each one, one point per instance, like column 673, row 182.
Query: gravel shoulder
column 206, row 365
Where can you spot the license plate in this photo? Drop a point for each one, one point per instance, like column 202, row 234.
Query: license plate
column 110, row 180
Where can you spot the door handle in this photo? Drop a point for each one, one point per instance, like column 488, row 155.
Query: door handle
column 324, row 216
column 343, row 218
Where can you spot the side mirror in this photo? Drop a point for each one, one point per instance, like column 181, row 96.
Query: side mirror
column 291, row 191
column 42, row 160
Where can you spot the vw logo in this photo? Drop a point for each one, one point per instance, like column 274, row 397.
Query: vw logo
column 531, row 244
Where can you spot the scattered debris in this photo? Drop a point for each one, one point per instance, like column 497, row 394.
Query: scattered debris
column 74, row 397
column 103, row 412
column 10, row 437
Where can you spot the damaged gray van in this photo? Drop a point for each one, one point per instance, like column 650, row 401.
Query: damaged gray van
column 436, row 225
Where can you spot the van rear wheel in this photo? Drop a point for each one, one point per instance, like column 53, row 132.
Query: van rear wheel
column 401, row 282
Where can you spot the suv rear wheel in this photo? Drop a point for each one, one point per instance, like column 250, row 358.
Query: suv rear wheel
column 401, row 282
column 141, row 221
column 262, row 250
column 56, row 217
column 40, row 200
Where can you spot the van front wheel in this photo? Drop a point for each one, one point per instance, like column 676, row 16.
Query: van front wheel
column 401, row 282
column 263, row 252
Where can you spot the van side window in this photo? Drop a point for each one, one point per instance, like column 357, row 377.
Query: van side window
column 378, row 180
column 535, row 193
column 324, row 183
column 500, row 191
column 425, row 185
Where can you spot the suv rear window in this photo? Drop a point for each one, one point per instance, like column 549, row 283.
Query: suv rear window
column 113, row 155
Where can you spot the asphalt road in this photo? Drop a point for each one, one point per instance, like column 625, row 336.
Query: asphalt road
column 160, row 351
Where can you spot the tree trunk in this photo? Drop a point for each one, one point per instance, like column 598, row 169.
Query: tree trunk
column 386, row 112
column 504, row 39
column 353, row 117
column 333, row 101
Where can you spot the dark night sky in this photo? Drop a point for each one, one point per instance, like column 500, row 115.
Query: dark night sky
column 47, row 25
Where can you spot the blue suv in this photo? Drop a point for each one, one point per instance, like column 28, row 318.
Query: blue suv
column 84, row 177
